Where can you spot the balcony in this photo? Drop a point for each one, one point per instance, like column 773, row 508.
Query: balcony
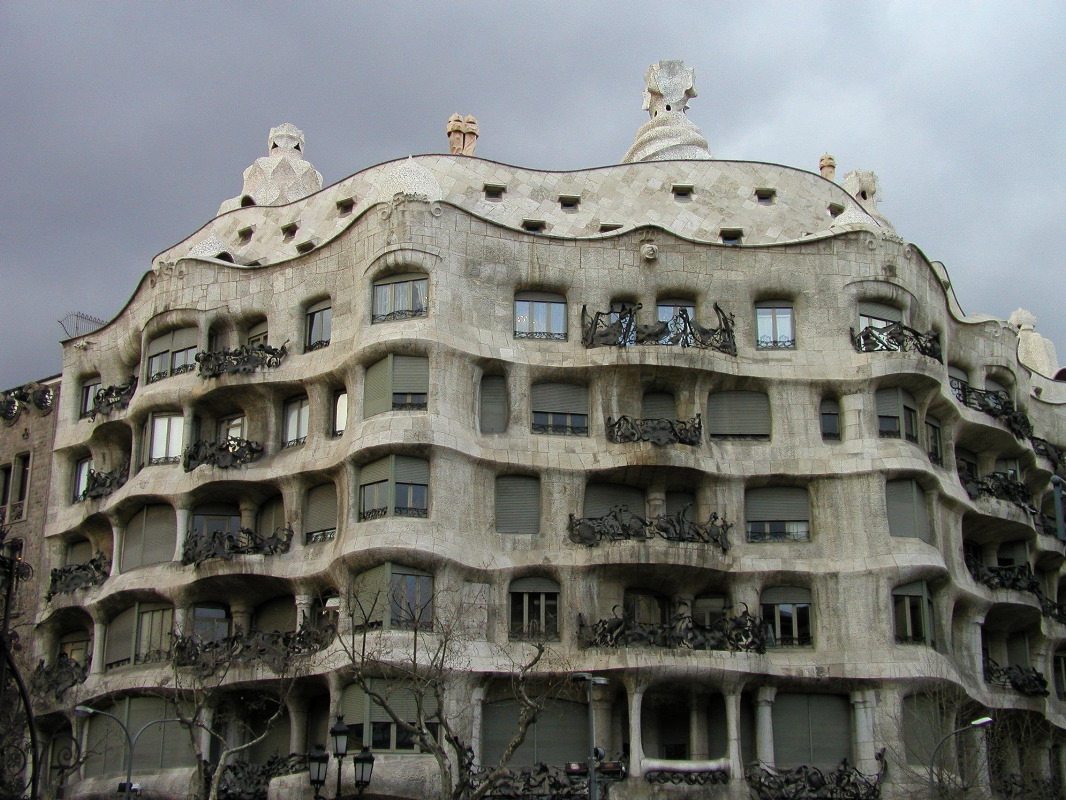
column 205, row 545
column 242, row 360
column 68, row 579
column 112, row 398
column 101, row 484
column 275, row 649
column 54, row 680
column 620, row 329
column 996, row 404
column 896, row 337
column 999, row 486
column 811, row 783
column 1024, row 680
column 621, row 524
column 1053, row 453
column 659, row 432
column 224, row 453
column 744, row 632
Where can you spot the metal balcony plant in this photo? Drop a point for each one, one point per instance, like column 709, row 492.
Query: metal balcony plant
column 620, row 524
column 112, row 398
column 68, row 579
column 200, row 546
column 743, row 632
column 895, row 337
column 619, row 328
column 810, row 783
column 242, row 360
column 222, row 453
column 659, row 432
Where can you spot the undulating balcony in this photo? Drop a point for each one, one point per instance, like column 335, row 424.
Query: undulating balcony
column 896, row 337
column 276, row 649
column 201, row 546
column 660, row 432
column 744, row 632
column 619, row 328
column 242, row 360
column 1001, row 487
column 68, row 579
column 997, row 404
column 222, row 453
column 621, row 524
column 1024, row 680
column 811, row 783
column 1019, row 578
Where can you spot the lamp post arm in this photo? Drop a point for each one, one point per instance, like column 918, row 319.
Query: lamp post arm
column 133, row 743
column 932, row 760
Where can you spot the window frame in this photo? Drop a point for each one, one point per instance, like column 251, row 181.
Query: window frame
column 770, row 528
column 232, row 426
column 170, row 426
column 558, row 421
column 385, row 291
column 217, row 627
column 532, row 606
column 295, row 416
column 416, row 588
column 548, row 307
column 834, row 414
column 934, row 446
column 318, row 325
column 80, row 482
column 168, row 361
column 339, row 417
column 913, row 609
column 87, row 398
column 801, row 619
column 770, row 328
column 14, row 487
column 414, row 495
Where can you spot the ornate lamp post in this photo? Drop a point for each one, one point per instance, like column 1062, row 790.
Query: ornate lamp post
column 318, row 762
column 977, row 723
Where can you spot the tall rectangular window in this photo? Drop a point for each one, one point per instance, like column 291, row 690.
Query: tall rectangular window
column 400, row 297
column 258, row 335
column 534, row 612
column 539, row 315
column 403, row 480
column 340, row 412
column 171, row 354
column 165, row 433
column 830, row 419
column 89, row 388
column 294, row 430
column 81, row 478
column 932, row 440
column 410, row 599
column 912, row 612
column 774, row 328
column 560, row 408
column 155, row 624
column 897, row 415
column 319, row 326
column 786, row 610
column 231, row 428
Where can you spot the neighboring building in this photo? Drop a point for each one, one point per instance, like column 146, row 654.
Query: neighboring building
column 552, row 393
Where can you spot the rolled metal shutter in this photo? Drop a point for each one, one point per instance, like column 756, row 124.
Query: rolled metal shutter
column 377, row 396
column 738, row 413
column 923, row 726
column 600, row 498
column 276, row 742
column 79, row 552
column 185, row 337
column 375, row 471
column 160, row 534
column 888, row 403
column 159, row 344
column 560, row 398
column 517, row 504
column 777, row 503
column 321, row 514
column 493, row 404
column 411, row 470
column 140, row 711
column 907, row 512
column 133, row 541
column 881, row 311
column 271, row 516
column 813, row 730
column 559, row 735
column 370, row 599
column 353, row 705
column 830, row 716
column 534, row 585
column 118, row 644
column 658, row 405
column 410, row 374
column 278, row 614
column 678, row 501
column 786, row 594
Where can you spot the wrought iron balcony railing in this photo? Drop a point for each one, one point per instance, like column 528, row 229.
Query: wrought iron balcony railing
column 619, row 328
column 324, row 535
column 558, row 336
column 811, row 783
column 744, row 632
column 68, row 579
column 659, row 432
column 180, row 369
column 274, row 648
column 559, row 430
column 202, row 546
column 223, row 453
column 242, row 360
column 243, row 781
column 672, row 777
column 996, row 404
column 1024, row 680
column 101, row 484
column 1020, row 578
column 400, row 313
column 540, row 782
column 1001, row 487
column 620, row 524
column 1053, row 453
column 112, row 398
column 897, row 337
column 54, row 680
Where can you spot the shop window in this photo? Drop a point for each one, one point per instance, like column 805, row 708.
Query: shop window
column 517, row 504
column 400, row 297
column 559, row 735
column 560, row 408
column 788, row 615
column 534, row 609
column 160, row 747
column 540, row 315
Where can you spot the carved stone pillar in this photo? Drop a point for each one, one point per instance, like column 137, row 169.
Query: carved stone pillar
column 99, row 632
column 732, row 725
column 852, row 408
column 182, row 517
column 118, row 537
column 764, row 725
column 601, row 714
column 636, row 743
column 982, row 780
column 697, row 726
column 248, row 517
column 297, row 705
column 656, row 501
column 241, row 612
column 303, row 609
column 862, row 703
column 477, row 709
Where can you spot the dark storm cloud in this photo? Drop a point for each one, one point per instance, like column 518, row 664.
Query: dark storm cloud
column 124, row 125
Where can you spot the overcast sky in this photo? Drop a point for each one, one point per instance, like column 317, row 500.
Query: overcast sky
column 124, row 125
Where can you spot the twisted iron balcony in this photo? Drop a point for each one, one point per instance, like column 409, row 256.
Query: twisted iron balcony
column 620, row 329
column 896, row 338
column 276, row 649
column 244, row 781
column 68, row 579
column 101, row 484
column 664, row 777
column 811, row 783
column 997, row 404
column 180, row 369
column 222, row 453
column 201, row 546
column 324, row 535
column 54, row 680
column 660, row 432
column 242, row 360
column 744, row 632
column 999, row 486
column 401, row 313
column 620, row 524
column 112, row 398
column 1024, row 680
column 1019, row 578
column 540, row 782
column 1053, row 453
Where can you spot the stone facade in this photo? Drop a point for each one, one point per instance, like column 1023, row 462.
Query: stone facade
column 507, row 354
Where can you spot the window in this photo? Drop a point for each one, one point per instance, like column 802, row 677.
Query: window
column 288, row 231
column 340, row 412
column 494, row 191
column 14, row 488
column 569, row 202
column 271, row 516
column 216, row 518
column 670, row 311
column 402, row 481
column 141, row 634
column 534, row 609
column 1060, row 674
column 230, row 427
column 164, row 437
column 396, row 383
column 81, row 478
column 320, row 514
column 171, row 354
column 600, row 498
column 534, row 225
column 1008, row 468
column 912, row 613
column 149, row 537
column 897, row 415
column 709, row 609
column 294, row 429
column 908, row 515
column 277, row 615
column 766, row 197
column 78, row 552
column 739, row 414
column 559, row 735
column 878, row 315
column 731, row 236
column 1013, row 554
column 932, row 440
column 517, row 504
column 89, row 388
column 75, row 646
column 539, row 315
column 257, row 334
column 830, row 419
column 645, row 607
column 786, row 610
column 658, row 405
column 210, row 622
column 966, row 463
column 682, row 191
column 560, row 408
column 410, row 599
column 811, row 730
column 319, row 325
column 493, row 404
column 400, row 297
column 345, row 206
column 369, row 725
column 773, row 325
column 777, row 514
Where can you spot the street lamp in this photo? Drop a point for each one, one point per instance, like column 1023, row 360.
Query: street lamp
column 318, row 761
column 595, row 753
column 131, row 741
column 977, row 723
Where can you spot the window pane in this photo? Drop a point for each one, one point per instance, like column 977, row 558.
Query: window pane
column 340, row 412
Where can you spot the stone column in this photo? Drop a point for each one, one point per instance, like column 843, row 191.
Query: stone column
column 118, row 536
column 182, row 517
column 862, row 703
column 697, row 726
column 656, row 501
column 303, row 609
column 601, row 713
column 477, row 703
column 181, row 620
column 732, row 724
column 99, row 634
column 982, row 780
column 248, row 517
column 241, row 612
column 764, row 725
column 636, row 743
column 297, row 705
column 852, row 421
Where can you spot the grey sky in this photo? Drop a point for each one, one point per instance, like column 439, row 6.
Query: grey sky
column 124, row 125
